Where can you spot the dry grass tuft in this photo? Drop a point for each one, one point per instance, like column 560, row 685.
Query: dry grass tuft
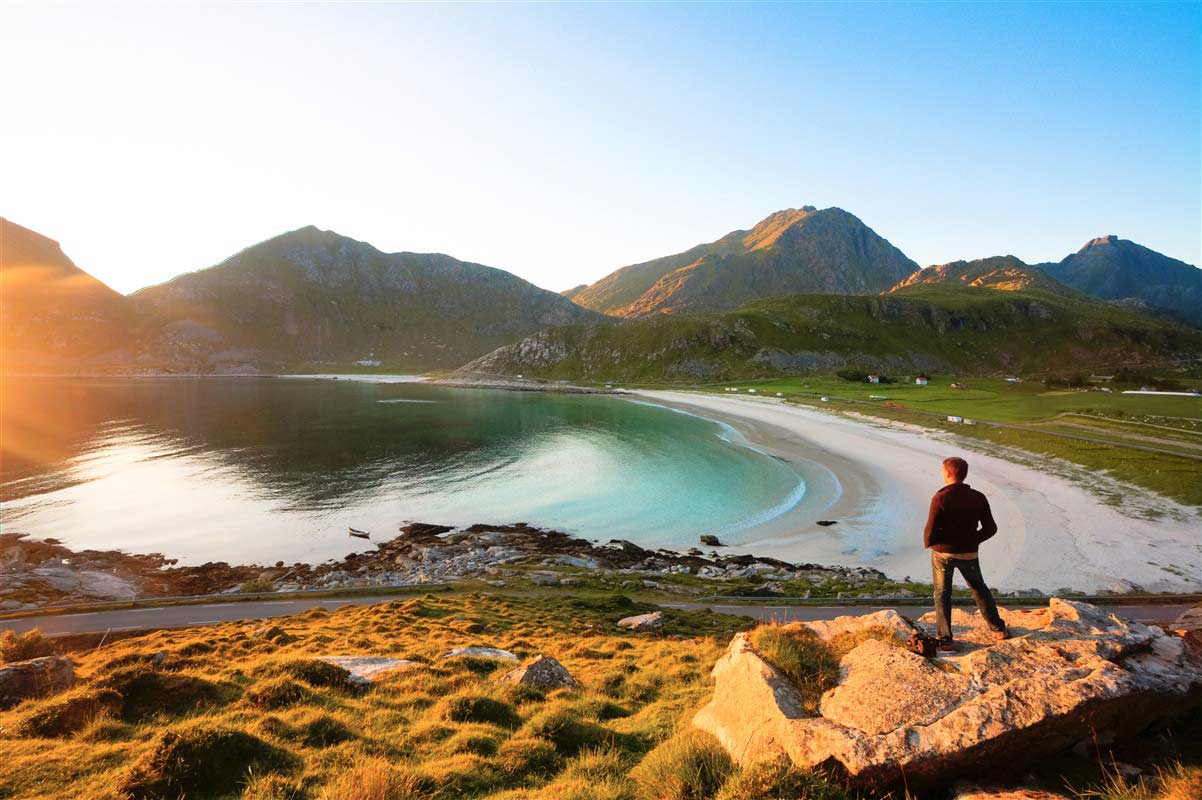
column 798, row 653
column 22, row 647
column 689, row 766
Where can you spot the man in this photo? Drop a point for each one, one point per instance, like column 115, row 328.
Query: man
column 959, row 521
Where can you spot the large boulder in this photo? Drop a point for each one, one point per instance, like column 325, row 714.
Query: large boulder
column 542, row 672
column 36, row 677
column 1069, row 672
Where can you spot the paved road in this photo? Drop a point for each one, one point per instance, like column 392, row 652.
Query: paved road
column 184, row 616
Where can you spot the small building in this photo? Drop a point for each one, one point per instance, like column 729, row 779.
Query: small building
column 752, row 391
column 874, row 378
column 956, row 419
column 922, row 380
column 1014, row 380
column 368, row 362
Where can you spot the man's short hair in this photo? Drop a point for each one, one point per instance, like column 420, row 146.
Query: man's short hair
column 956, row 467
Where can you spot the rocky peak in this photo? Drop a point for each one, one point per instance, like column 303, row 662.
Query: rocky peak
column 1101, row 240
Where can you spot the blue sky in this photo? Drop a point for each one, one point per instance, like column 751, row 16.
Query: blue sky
column 562, row 141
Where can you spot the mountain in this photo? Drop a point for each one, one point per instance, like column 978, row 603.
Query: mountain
column 1004, row 273
column 53, row 315
column 795, row 250
column 942, row 327
column 1111, row 268
column 312, row 297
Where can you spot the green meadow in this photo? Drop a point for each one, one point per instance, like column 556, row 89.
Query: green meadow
column 1154, row 442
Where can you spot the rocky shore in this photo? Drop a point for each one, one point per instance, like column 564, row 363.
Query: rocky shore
column 35, row 573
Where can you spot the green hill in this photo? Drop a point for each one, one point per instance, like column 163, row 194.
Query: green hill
column 927, row 327
column 795, row 250
column 1111, row 268
column 54, row 316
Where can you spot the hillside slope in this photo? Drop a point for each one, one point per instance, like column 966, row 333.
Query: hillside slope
column 53, row 315
column 311, row 296
column 795, row 250
column 1111, row 268
column 924, row 327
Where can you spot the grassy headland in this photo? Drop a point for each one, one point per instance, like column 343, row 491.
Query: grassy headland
column 229, row 712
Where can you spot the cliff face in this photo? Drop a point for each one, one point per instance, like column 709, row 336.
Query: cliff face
column 795, row 250
column 53, row 315
column 1111, row 268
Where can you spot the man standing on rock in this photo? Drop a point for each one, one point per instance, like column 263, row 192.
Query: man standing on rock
column 959, row 521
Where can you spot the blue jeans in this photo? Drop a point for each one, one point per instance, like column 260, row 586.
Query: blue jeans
column 970, row 569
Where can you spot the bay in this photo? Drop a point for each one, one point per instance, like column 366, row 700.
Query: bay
column 276, row 469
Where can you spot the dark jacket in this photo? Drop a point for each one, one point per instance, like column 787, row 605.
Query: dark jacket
column 959, row 521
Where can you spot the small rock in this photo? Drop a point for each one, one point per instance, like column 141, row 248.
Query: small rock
column 365, row 670
column 711, row 541
column 827, row 522
column 643, row 623
column 544, row 579
column 542, row 672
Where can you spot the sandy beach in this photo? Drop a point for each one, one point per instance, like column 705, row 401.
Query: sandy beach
column 876, row 480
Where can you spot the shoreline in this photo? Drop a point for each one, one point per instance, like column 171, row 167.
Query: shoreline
column 1053, row 534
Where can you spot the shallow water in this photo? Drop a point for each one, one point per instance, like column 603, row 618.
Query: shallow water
column 260, row 470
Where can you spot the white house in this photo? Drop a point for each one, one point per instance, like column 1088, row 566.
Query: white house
column 922, row 380
column 874, row 378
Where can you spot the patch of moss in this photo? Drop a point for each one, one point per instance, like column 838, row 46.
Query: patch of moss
column 525, row 757
column 146, row 693
column 568, row 732
column 277, row 693
column 480, row 708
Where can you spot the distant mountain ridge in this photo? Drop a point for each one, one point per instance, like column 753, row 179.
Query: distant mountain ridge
column 299, row 300
column 315, row 296
column 1003, row 273
column 1111, row 268
column 794, row 250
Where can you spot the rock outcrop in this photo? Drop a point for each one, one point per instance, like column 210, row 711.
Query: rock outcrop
column 643, row 623
column 542, row 672
column 1069, row 673
column 36, row 677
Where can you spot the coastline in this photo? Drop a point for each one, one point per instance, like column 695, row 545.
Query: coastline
column 1053, row 534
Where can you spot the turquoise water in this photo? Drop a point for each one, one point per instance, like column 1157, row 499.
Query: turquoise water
column 260, row 470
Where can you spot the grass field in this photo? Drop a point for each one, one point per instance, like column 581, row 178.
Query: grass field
column 218, row 712
column 1123, row 429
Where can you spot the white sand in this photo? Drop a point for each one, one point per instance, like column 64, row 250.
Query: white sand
column 877, row 481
